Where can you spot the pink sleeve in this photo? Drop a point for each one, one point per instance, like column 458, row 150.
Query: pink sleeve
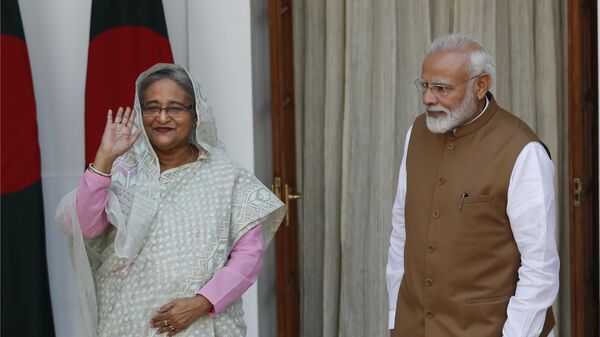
column 238, row 274
column 92, row 196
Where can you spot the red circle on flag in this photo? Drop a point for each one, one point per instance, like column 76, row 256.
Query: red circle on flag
column 116, row 58
column 20, row 151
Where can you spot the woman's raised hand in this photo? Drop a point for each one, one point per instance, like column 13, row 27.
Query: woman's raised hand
column 117, row 138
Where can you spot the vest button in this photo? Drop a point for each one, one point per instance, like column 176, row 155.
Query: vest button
column 429, row 282
column 429, row 314
column 450, row 146
column 435, row 214
column 431, row 247
column 441, row 180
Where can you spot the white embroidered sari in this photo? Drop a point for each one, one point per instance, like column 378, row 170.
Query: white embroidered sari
column 170, row 233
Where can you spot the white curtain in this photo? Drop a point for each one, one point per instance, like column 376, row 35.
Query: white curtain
column 355, row 61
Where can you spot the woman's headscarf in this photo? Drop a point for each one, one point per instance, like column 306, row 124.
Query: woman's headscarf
column 145, row 197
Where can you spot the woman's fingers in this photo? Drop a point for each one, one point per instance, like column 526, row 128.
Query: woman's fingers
column 162, row 321
column 170, row 330
column 165, row 307
column 119, row 115
column 131, row 119
column 109, row 118
column 126, row 116
column 136, row 135
column 159, row 324
column 161, row 330
column 159, row 319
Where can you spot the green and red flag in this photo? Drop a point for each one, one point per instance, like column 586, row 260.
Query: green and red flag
column 25, row 306
column 126, row 38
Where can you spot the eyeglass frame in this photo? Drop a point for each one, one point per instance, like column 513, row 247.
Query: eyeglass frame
column 166, row 110
column 442, row 89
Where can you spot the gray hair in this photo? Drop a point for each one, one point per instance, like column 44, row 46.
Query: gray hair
column 177, row 75
column 480, row 61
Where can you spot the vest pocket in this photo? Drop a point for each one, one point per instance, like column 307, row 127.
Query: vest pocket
column 488, row 300
column 478, row 199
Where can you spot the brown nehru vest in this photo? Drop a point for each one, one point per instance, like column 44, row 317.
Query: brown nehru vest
column 460, row 257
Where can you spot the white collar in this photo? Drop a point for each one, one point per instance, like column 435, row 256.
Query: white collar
column 487, row 103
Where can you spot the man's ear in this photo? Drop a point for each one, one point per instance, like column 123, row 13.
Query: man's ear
column 482, row 86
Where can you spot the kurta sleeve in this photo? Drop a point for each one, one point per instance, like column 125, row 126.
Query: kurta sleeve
column 238, row 274
column 532, row 214
column 92, row 197
column 395, row 265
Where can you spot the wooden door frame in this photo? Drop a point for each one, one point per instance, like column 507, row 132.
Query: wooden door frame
column 284, row 165
column 583, row 165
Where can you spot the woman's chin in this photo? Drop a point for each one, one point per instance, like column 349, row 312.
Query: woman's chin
column 163, row 145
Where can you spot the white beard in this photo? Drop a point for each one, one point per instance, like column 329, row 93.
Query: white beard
column 452, row 118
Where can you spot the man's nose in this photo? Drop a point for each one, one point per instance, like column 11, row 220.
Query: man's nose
column 428, row 97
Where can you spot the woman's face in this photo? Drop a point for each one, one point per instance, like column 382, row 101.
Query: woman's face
column 171, row 127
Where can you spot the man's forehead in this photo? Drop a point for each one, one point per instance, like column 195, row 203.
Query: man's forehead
column 445, row 65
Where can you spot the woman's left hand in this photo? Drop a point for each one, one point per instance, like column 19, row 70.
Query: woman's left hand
column 180, row 313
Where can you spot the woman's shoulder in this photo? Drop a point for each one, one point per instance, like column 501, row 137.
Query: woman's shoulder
column 222, row 161
column 219, row 160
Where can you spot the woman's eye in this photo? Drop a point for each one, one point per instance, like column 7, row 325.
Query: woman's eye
column 175, row 109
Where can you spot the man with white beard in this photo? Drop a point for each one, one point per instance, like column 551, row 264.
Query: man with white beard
column 473, row 247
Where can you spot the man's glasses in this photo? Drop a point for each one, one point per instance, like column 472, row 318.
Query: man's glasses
column 439, row 89
column 153, row 110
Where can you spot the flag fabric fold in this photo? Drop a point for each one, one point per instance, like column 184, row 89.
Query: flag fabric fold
column 26, row 309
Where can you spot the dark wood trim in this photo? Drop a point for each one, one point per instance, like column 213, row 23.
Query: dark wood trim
column 284, row 164
column 583, row 165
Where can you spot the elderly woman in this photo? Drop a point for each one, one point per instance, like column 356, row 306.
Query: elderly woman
column 167, row 231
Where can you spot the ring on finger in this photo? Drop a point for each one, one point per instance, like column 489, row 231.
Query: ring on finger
column 166, row 323
column 172, row 328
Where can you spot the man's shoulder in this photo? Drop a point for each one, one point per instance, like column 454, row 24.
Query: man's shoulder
column 516, row 129
column 518, row 126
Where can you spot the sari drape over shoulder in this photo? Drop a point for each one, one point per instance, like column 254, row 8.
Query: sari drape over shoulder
column 171, row 232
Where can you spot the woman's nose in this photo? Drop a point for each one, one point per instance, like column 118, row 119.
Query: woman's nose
column 163, row 117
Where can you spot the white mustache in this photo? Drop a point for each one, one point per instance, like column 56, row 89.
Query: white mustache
column 437, row 108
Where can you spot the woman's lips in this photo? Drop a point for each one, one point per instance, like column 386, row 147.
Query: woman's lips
column 163, row 130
